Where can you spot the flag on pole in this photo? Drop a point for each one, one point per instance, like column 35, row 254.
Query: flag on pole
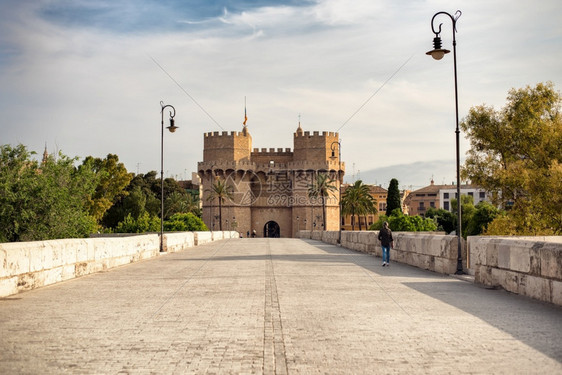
column 245, row 116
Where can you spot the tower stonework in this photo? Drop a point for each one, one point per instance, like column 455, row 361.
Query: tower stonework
column 270, row 187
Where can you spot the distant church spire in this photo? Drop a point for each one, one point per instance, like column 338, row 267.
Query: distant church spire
column 45, row 154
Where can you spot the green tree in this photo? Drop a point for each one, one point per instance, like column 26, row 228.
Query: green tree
column 516, row 154
column 393, row 197
column 321, row 188
column 485, row 213
column 144, row 223
column 192, row 204
column 446, row 220
column 399, row 222
column 43, row 201
column 220, row 190
column 185, row 222
column 113, row 178
column 357, row 200
column 142, row 195
column 467, row 212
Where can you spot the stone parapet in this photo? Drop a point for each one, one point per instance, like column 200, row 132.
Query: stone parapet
column 434, row 252
column 178, row 241
column 521, row 265
column 29, row 265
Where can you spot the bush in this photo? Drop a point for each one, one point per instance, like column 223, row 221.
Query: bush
column 144, row 223
column 398, row 222
column 446, row 220
column 184, row 223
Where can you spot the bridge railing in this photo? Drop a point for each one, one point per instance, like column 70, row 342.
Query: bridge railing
column 29, row 265
column 530, row 266
column 430, row 251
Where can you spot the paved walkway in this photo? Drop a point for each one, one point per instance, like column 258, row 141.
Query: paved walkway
column 279, row 306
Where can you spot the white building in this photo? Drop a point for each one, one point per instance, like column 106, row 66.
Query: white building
column 449, row 193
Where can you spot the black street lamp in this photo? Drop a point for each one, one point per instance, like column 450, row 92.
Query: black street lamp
column 339, row 181
column 437, row 53
column 172, row 128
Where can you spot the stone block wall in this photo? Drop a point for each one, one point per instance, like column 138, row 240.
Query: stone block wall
column 178, row 241
column 434, row 252
column 29, row 265
column 521, row 265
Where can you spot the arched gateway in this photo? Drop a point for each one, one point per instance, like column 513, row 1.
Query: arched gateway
column 271, row 229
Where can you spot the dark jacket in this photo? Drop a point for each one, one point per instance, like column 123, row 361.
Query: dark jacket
column 385, row 237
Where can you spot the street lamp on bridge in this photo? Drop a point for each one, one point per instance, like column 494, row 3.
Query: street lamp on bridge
column 172, row 128
column 437, row 53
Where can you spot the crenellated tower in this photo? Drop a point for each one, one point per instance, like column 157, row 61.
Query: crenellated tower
column 235, row 146
column 270, row 187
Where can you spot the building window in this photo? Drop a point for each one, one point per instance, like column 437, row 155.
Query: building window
column 343, row 221
column 482, row 194
column 470, row 193
column 446, row 195
column 432, row 204
column 446, row 205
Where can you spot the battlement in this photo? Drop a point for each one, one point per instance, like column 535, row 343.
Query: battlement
column 225, row 134
column 272, row 151
column 318, row 165
column 316, row 134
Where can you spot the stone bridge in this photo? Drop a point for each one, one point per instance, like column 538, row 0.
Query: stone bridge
column 275, row 306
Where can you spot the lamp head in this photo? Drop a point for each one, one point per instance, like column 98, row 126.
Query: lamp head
column 437, row 52
column 172, row 128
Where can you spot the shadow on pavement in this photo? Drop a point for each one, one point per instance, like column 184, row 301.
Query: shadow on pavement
column 534, row 323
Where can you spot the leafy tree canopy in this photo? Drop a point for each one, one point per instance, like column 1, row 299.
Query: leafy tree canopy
column 43, row 201
column 185, row 222
column 398, row 222
column 516, row 153
column 113, row 178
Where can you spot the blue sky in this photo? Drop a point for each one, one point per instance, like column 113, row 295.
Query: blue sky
column 86, row 77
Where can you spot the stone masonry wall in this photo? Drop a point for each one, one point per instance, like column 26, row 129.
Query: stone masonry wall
column 522, row 265
column 30, row 265
column 530, row 266
column 434, row 252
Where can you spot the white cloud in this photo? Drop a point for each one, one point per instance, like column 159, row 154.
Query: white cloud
column 95, row 91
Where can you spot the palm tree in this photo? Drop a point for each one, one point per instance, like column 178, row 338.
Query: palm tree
column 192, row 204
column 221, row 191
column 357, row 200
column 322, row 187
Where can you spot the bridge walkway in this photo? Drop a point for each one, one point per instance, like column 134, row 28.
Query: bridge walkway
column 275, row 306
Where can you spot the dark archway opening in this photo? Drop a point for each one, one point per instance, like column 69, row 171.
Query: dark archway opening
column 271, row 229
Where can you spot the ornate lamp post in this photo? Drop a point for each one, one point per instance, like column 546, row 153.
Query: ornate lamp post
column 338, row 143
column 437, row 53
column 172, row 128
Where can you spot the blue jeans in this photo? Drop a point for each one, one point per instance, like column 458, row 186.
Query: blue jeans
column 386, row 254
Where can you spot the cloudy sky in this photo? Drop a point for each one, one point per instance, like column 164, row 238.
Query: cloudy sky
column 86, row 77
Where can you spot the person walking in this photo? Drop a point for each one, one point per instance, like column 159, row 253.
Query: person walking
column 387, row 242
